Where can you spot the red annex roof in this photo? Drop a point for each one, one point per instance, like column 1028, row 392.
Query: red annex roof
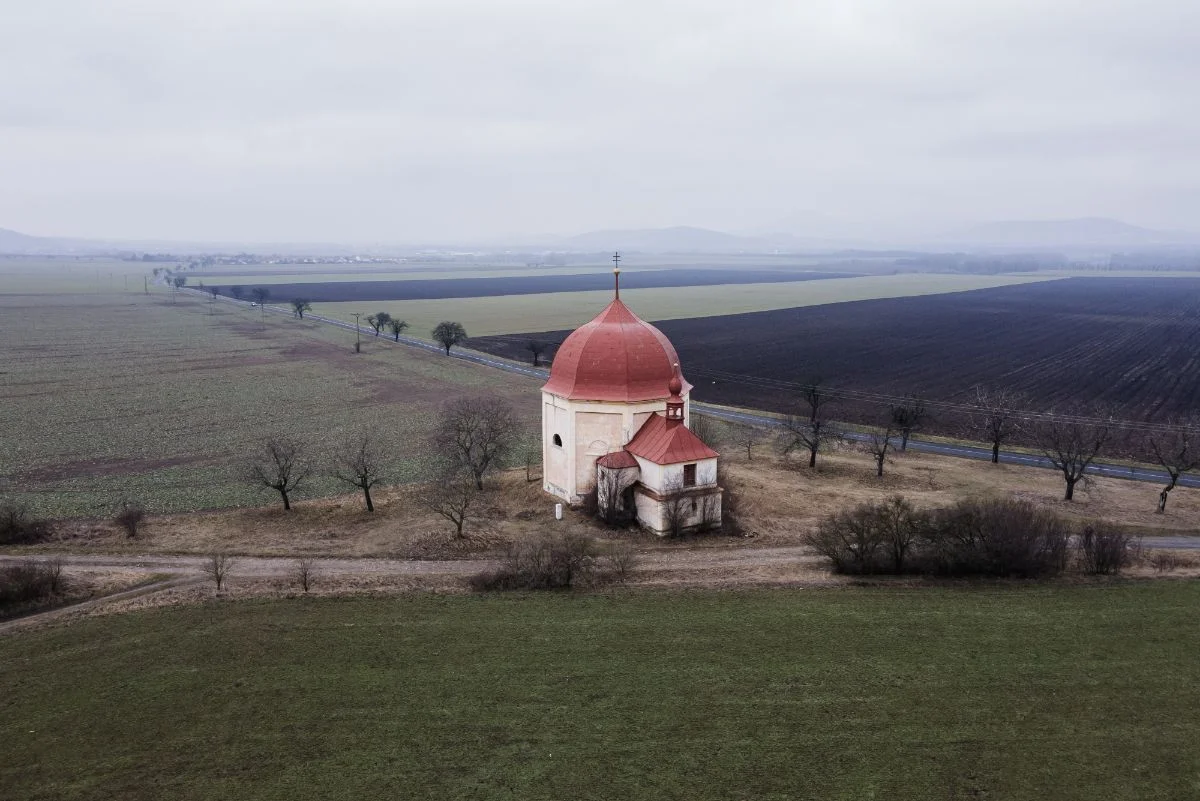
column 615, row 357
column 617, row 460
column 664, row 441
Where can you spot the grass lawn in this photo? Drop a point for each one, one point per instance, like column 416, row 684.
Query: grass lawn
column 552, row 311
column 1012, row 692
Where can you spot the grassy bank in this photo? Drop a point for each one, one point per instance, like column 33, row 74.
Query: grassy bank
column 1015, row 692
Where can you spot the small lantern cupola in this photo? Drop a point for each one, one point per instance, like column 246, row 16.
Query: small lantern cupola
column 675, row 401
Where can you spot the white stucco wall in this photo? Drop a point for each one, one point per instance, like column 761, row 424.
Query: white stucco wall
column 588, row 429
column 657, row 477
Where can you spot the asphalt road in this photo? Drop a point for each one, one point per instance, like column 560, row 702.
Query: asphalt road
column 750, row 417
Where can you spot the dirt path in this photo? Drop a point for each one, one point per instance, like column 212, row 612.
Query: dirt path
column 277, row 566
column 686, row 563
column 188, row 570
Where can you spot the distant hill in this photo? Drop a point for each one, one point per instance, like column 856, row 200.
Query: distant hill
column 1077, row 233
column 16, row 243
column 680, row 239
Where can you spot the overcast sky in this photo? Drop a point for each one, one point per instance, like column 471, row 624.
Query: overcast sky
column 406, row 121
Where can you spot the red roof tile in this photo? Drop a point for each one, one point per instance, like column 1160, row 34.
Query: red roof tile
column 664, row 441
column 617, row 460
column 615, row 357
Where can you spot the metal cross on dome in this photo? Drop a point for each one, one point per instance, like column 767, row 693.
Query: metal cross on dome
column 617, row 274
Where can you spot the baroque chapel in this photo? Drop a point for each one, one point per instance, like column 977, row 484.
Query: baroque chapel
column 615, row 415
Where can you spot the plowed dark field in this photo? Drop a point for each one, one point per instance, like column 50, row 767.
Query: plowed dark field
column 1134, row 343
column 421, row 289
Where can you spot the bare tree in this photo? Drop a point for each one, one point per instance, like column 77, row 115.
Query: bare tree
column 676, row 507
column 900, row 526
column 179, row 281
column 710, row 512
column 304, row 570
column 358, row 464
column 237, row 291
column 451, row 494
column 808, row 430
column 608, row 495
column 129, row 517
column 281, row 466
column 260, row 295
column 529, row 448
column 397, row 326
column 217, row 568
column 908, row 415
column 300, row 306
column 997, row 417
column 747, row 436
column 213, row 291
column 537, row 348
column 1177, row 449
column 808, row 435
column 1072, row 440
column 705, row 427
column 378, row 321
column 477, row 432
column 877, row 443
column 449, row 334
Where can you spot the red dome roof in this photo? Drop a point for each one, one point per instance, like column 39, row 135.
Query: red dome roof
column 616, row 357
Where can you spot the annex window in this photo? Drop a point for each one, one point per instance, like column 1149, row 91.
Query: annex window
column 689, row 475
column 558, row 440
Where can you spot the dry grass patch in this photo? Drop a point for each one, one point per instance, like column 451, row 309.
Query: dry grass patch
column 510, row 509
column 781, row 500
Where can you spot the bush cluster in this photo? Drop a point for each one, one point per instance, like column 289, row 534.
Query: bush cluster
column 558, row 563
column 18, row 528
column 29, row 581
column 1001, row 538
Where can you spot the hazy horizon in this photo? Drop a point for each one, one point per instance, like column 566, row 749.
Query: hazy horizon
column 460, row 121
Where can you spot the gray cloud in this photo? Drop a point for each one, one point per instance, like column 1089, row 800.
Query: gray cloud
column 419, row 121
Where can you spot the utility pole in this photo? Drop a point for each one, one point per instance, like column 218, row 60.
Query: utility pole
column 146, row 285
column 357, row 333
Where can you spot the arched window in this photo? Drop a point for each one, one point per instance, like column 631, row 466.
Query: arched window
column 558, row 440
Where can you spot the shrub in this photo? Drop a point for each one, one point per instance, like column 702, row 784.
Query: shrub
column 731, row 512
column 851, row 541
column 303, row 572
column 18, row 528
column 1107, row 550
column 129, row 517
column 217, row 567
column 995, row 538
column 557, row 563
column 972, row 538
column 29, row 580
column 617, row 562
column 1165, row 561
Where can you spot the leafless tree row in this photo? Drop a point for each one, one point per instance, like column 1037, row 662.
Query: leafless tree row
column 473, row 437
column 1071, row 438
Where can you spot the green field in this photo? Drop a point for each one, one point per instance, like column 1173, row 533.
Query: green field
column 1014, row 692
column 63, row 274
column 514, row 314
column 130, row 396
column 400, row 274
